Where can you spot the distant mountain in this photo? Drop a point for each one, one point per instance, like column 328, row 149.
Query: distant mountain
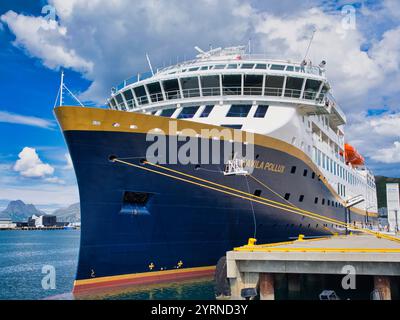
column 70, row 214
column 381, row 189
column 18, row 211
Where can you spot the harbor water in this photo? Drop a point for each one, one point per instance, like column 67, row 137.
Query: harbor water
column 26, row 256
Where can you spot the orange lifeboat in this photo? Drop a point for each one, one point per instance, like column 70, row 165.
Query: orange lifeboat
column 352, row 156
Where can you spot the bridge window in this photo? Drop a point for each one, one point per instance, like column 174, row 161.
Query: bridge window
column 261, row 66
column 239, row 111
column 261, row 111
column 290, row 68
column 190, row 87
column 232, row 66
column 273, row 85
column 171, row 88
column 219, row 67
column 253, row 85
column 247, row 65
column 311, row 89
column 155, row 92
column 188, row 112
column 232, row 84
column 141, row 95
column 120, row 101
column 167, row 113
column 129, row 98
column 210, row 85
column 293, row 87
column 112, row 103
column 277, row 67
column 206, row 112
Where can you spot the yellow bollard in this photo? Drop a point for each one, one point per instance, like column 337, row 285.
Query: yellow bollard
column 252, row 242
column 301, row 237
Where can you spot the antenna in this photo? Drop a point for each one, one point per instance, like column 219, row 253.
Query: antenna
column 249, row 45
column 199, row 50
column 61, row 92
column 61, row 87
column 309, row 45
column 149, row 62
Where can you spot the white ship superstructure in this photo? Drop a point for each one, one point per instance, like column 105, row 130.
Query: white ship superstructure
column 282, row 99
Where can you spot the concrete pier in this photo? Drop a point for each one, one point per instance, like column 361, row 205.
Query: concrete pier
column 359, row 267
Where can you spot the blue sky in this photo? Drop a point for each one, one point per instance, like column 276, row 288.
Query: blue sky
column 101, row 44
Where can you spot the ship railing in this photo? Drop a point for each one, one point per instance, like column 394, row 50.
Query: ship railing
column 225, row 91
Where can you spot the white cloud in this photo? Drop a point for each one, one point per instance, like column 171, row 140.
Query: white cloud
column 8, row 117
column 388, row 155
column 107, row 40
column 29, row 165
column 377, row 137
column 46, row 40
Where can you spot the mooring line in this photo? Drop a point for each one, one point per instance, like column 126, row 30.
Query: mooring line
column 260, row 200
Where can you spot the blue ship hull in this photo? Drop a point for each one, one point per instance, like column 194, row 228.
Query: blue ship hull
column 183, row 225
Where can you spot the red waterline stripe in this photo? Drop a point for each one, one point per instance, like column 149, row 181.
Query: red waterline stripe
column 145, row 280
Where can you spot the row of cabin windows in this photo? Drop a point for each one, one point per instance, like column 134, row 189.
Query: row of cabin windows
column 231, row 85
column 334, row 167
column 235, row 111
column 329, row 203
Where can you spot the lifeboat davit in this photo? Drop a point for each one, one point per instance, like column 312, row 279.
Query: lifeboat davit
column 352, row 156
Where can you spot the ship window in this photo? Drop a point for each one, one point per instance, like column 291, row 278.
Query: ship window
column 247, row 65
column 290, row 68
column 232, row 84
column 293, row 170
column 232, row 66
column 261, row 66
column 167, row 113
column 219, row 66
column 134, row 203
column 273, row 85
column 277, row 67
column 112, row 103
column 305, row 173
column 329, row 202
column 119, row 99
column 194, row 69
column 190, row 87
column 301, row 199
column 210, row 85
column 239, row 111
column 313, row 175
column 188, row 112
column 293, row 87
column 323, row 201
column 287, row 196
column 316, row 200
column 129, row 98
column 204, row 68
column 253, row 85
column 232, row 126
column 257, row 193
column 141, row 95
column 261, row 111
column 311, row 89
column 171, row 88
column 206, row 112
column 155, row 92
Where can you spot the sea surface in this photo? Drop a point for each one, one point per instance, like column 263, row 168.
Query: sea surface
column 29, row 258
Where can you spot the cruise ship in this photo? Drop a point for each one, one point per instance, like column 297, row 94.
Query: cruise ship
column 163, row 200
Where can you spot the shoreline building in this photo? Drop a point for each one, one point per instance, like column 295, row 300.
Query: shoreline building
column 393, row 206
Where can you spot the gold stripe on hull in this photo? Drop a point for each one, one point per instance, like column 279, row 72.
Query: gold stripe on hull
column 95, row 119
